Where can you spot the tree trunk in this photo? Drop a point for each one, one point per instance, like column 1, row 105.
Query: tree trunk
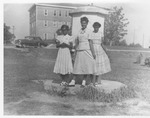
column 111, row 42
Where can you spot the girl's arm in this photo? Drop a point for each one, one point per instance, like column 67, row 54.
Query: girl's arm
column 104, row 47
column 58, row 45
column 64, row 45
column 92, row 48
column 76, row 43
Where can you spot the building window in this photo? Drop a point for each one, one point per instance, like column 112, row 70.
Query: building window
column 45, row 36
column 59, row 13
column 61, row 23
column 46, row 12
column 55, row 23
column 32, row 25
column 33, row 14
column 55, row 13
column 46, row 23
column 69, row 13
column 66, row 13
column 68, row 23
column 64, row 23
column 58, row 24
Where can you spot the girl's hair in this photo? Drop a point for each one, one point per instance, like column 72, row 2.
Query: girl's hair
column 97, row 24
column 59, row 32
column 64, row 27
column 84, row 19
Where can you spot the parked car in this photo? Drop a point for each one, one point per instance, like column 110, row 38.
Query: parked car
column 30, row 41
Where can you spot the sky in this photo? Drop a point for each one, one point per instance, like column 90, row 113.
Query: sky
column 16, row 14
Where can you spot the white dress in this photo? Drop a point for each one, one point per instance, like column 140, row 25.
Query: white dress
column 63, row 64
column 84, row 61
column 102, row 60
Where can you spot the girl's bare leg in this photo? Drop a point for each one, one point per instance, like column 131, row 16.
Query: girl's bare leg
column 98, row 79
column 62, row 77
column 66, row 78
column 63, row 80
column 94, row 79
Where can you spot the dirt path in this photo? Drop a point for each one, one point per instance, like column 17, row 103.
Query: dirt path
column 40, row 103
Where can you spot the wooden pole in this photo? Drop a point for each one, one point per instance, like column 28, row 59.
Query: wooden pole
column 143, row 41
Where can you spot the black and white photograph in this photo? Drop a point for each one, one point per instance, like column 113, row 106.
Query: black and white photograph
column 76, row 58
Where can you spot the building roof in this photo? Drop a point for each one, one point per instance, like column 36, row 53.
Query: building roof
column 90, row 9
column 65, row 5
column 59, row 5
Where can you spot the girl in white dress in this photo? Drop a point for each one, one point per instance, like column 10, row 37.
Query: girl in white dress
column 63, row 65
column 85, row 63
column 102, row 60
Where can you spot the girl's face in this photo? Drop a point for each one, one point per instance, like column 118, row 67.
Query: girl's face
column 59, row 32
column 84, row 24
column 96, row 29
column 65, row 31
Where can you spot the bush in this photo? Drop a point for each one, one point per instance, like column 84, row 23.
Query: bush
column 135, row 45
column 93, row 94
column 121, row 43
column 147, row 61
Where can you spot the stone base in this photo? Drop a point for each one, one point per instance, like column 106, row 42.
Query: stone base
column 105, row 86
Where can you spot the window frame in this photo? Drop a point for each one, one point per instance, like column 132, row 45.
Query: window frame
column 55, row 24
column 55, row 13
column 66, row 13
column 45, row 12
column 45, row 23
column 45, row 36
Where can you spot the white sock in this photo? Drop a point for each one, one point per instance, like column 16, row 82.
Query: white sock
column 83, row 82
column 72, row 82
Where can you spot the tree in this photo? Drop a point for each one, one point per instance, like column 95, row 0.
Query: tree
column 115, row 25
column 7, row 34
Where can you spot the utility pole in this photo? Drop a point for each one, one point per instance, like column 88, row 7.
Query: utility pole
column 143, row 41
column 133, row 35
column 13, row 31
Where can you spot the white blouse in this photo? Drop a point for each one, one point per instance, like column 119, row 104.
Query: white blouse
column 96, row 37
column 64, row 39
column 83, row 37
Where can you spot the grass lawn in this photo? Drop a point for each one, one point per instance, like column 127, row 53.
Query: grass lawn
column 23, row 97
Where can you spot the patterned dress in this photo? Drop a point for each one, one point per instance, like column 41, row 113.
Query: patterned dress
column 84, row 61
column 102, row 60
column 63, row 64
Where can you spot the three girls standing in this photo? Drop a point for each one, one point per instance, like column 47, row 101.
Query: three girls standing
column 90, row 59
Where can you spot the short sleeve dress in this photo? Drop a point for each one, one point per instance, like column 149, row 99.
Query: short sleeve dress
column 84, row 61
column 102, row 60
column 63, row 64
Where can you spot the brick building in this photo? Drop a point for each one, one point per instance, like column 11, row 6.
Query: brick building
column 45, row 19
